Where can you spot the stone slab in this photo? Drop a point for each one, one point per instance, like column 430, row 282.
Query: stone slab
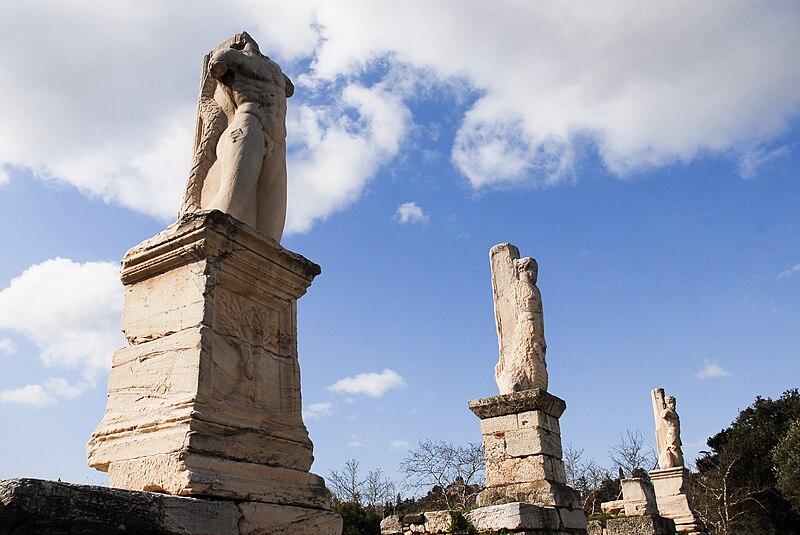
column 639, row 497
column 674, row 499
column 34, row 506
column 640, row 525
column 271, row 519
column 543, row 493
column 517, row 402
column 38, row 507
column 513, row 517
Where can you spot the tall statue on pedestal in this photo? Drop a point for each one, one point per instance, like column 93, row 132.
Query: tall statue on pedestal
column 668, row 430
column 520, row 321
column 239, row 164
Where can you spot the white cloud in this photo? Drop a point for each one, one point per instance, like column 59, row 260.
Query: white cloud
column 753, row 160
column 112, row 114
column 31, row 395
column 63, row 388
column 371, row 384
column 356, row 442
column 70, row 311
column 712, row 370
column 332, row 155
column 7, row 347
column 409, row 212
column 318, row 410
column 4, row 176
column 794, row 270
column 399, row 445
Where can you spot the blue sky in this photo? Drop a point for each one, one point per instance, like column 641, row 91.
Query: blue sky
column 646, row 157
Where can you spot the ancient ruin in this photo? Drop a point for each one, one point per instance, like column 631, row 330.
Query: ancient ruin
column 204, row 404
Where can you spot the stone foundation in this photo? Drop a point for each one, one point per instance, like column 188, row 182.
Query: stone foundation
column 522, row 448
column 674, row 499
column 37, row 507
column 640, row 525
column 517, row 518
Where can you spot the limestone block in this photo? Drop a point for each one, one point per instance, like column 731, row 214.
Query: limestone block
column 518, row 402
column 513, row 517
column 674, row 499
column 613, row 507
column 532, row 441
column 438, row 522
column 29, row 506
column 539, row 419
column 572, row 518
column 188, row 474
column 270, row 519
column 391, row 525
column 494, row 446
column 639, row 497
column 543, row 493
column 499, row 424
column 640, row 525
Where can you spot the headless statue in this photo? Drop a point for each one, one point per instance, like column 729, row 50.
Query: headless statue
column 239, row 164
column 668, row 430
column 520, row 321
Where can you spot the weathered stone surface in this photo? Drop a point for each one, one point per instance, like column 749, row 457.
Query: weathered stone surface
column 595, row 527
column 639, row 498
column 206, row 398
column 438, row 522
column 239, row 163
column 674, row 499
column 37, row 507
column 513, row 516
column 519, row 319
column 614, row 507
column 524, row 470
column 640, row 525
column 543, row 493
column 518, row 402
column 572, row 519
column 392, row 525
column 270, row 519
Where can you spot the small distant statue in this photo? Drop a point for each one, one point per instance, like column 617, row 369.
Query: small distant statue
column 668, row 430
column 239, row 164
column 520, row 321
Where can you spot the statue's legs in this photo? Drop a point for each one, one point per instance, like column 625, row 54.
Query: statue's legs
column 240, row 151
column 271, row 206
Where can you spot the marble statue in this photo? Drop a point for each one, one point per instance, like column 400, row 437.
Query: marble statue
column 520, row 321
column 668, row 430
column 239, row 163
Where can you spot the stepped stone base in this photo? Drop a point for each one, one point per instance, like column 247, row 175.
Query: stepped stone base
column 517, row 518
column 674, row 500
column 522, row 448
column 38, row 507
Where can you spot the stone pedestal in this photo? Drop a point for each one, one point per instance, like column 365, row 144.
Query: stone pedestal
column 522, row 448
column 674, row 499
column 205, row 400
column 638, row 497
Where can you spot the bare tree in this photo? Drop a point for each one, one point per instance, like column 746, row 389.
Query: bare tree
column 378, row 490
column 630, row 453
column 584, row 475
column 345, row 484
column 454, row 469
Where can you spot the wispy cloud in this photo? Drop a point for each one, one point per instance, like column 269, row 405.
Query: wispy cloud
column 318, row 410
column 371, row 384
column 31, row 395
column 399, row 445
column 712, row 370
column 356, row 442
column 7, row 347
column 409, row 212
column 794, row 270
column 755, row 159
